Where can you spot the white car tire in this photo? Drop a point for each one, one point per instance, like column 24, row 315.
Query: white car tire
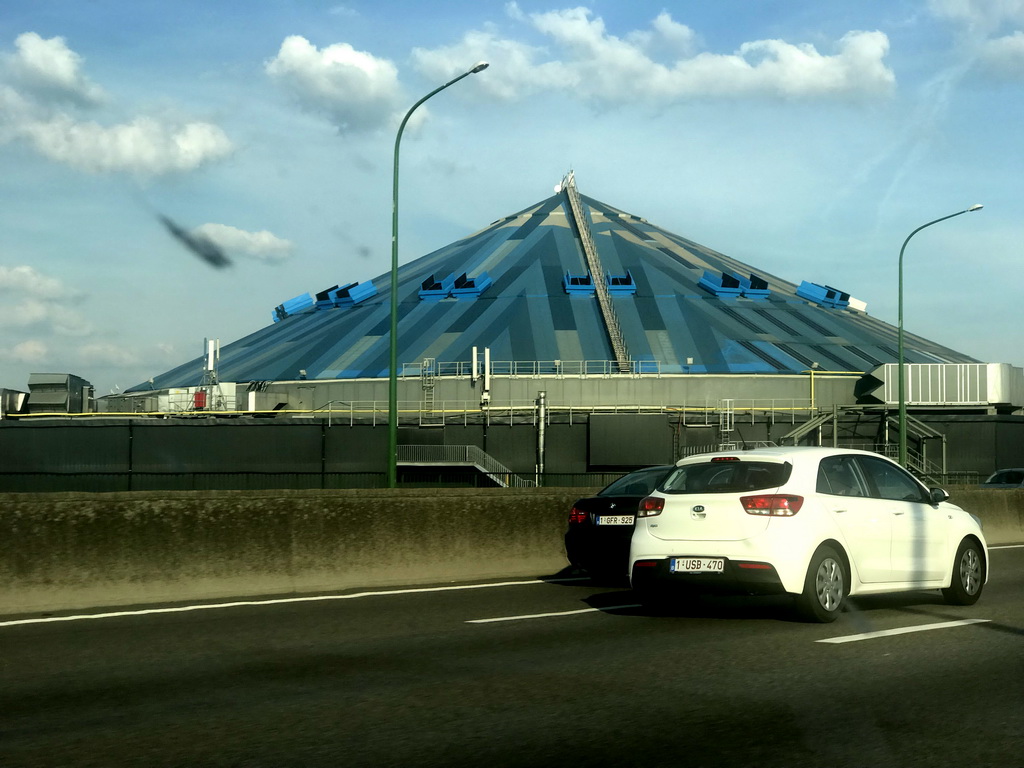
column 825, row 587
column 968, row 575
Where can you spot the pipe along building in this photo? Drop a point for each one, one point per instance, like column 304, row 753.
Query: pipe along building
column 571, row 337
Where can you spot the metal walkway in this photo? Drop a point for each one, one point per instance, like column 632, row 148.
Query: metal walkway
column 597, row 273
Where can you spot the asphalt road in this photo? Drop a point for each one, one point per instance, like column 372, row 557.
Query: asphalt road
column 566, row 676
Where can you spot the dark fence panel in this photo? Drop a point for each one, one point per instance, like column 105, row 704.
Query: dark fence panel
column 515, row 446
column 443, row 477
column 107, row 482
column 565, row 449
column 56, row 482
column 1008, row 446
column 105, row 455
column 408, row 477
column 631, row 440
column 65, row 448
column 578, row 479
column 227, row 447
column 224, row 481
column 359, row 448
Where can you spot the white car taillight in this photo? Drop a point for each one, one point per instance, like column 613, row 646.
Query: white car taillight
column 772, row 505
column 650, row 507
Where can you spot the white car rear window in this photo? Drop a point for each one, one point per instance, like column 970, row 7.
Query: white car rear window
column 726, row 477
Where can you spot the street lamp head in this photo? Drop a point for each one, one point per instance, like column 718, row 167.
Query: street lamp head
column 975, row 207
column 480, row 66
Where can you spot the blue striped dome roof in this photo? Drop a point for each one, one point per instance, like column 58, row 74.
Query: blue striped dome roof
column 521, row 287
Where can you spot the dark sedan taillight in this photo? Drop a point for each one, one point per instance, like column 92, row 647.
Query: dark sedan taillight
column 577, row 515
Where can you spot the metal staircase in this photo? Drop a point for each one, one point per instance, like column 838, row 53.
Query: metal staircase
column 461, row 455
column 917, row 461
column 794, row 436
column 597, row 274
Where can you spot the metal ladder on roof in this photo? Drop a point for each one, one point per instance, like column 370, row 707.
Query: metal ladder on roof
column 726, row 424
column 428, row 378
column 597, row 274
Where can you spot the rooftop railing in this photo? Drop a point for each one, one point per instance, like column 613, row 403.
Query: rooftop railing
column 535, row 368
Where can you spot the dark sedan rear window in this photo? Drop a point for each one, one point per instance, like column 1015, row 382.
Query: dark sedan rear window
column 639, row 483
column 1007, row 477
column 727, row 477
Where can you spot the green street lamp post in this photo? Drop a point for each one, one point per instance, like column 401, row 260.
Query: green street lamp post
column 901, row 387
column 393, row 365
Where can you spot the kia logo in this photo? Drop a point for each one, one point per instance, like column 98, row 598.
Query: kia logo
column 698, row 508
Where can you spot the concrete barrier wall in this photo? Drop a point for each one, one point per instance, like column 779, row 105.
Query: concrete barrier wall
column 71, row 551
column 1001, row 512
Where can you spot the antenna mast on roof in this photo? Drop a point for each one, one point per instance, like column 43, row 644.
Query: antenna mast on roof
column 209, row 396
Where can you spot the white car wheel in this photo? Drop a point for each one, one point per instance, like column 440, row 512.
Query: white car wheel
column 824, row 587
column 968, row 575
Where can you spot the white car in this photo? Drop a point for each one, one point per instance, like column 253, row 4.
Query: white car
column 821, row 524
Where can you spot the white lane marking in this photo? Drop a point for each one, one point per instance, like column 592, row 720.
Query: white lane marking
column 275, row 601
column 548, row 615
column 902, row 631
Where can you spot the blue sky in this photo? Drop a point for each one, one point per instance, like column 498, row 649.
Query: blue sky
column 805, row 138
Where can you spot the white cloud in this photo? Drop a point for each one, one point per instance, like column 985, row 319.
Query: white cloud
column 40, row 325
column 262, row 246
column 992, row 30
column 658, row 66
column 24, row 313
column 355, row 90
column 29, row 299
column 30, row 351
column 43, row 72
column 34, row 313
column 15, row 112
column 103, row 353
column 1005, row 55
column 777, row 67
column 343, row 10
column 25, row 280
column 62, row 320
column 515, row 73
column 48, row 68
column 513, row 11
column 667, row 37
column 143, row 146
column 983, row 17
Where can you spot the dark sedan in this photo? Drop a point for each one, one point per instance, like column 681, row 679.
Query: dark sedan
column 601, row 526
column 1005, row 478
